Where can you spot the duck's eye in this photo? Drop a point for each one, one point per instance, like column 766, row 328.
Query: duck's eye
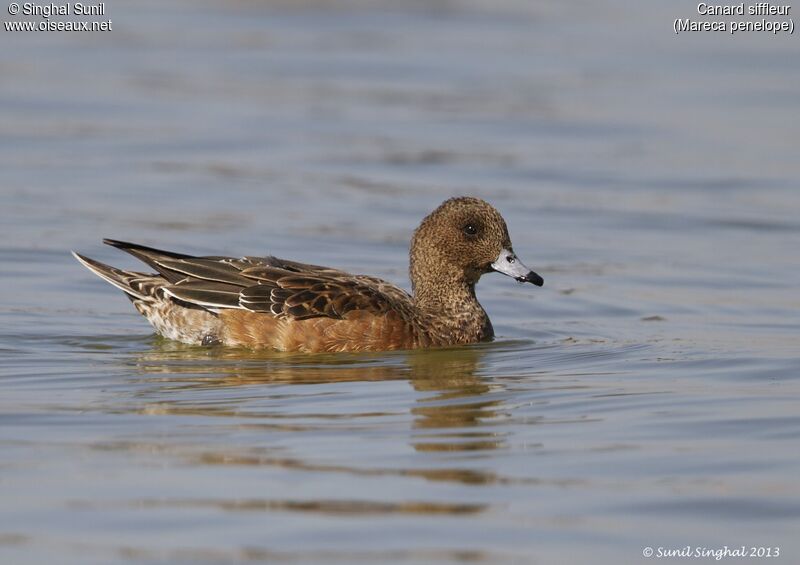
column 470, row 229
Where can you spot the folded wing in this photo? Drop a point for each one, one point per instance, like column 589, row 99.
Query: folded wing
column 269, row 285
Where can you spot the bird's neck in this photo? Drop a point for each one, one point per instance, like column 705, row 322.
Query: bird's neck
column 452, row 312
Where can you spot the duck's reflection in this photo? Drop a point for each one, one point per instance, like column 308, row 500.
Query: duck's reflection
column 454, row 409
column 450, row 415
column 455, row 417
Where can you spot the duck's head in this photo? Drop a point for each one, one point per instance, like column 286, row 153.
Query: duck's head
column 461, row 240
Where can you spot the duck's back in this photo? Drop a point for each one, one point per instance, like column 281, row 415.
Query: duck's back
column 265, row 302
column 299, row 307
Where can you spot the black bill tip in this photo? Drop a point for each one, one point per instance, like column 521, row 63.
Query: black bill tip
column 533, row 278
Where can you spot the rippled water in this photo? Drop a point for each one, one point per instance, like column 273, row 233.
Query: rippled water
column 648, row 395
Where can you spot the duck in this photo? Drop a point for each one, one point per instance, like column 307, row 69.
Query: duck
column 283, row 305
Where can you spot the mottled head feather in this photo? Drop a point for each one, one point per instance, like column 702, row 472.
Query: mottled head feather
column 456, row 244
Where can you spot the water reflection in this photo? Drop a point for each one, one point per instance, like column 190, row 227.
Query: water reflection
column 455, row 411
column 448, row 420
column 454, row 418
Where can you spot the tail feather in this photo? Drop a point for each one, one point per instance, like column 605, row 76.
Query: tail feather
column 119, row 278
column 151, row 256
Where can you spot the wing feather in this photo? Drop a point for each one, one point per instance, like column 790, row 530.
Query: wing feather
column 271, row 285
column 206, row 269
column 206, row 293
column 258, row 298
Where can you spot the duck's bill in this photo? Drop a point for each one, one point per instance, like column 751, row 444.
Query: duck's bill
column 508, row 264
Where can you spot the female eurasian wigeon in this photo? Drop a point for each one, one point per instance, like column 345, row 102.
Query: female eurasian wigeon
column 266, row 302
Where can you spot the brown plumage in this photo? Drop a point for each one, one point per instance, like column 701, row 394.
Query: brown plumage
column 266, row 302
